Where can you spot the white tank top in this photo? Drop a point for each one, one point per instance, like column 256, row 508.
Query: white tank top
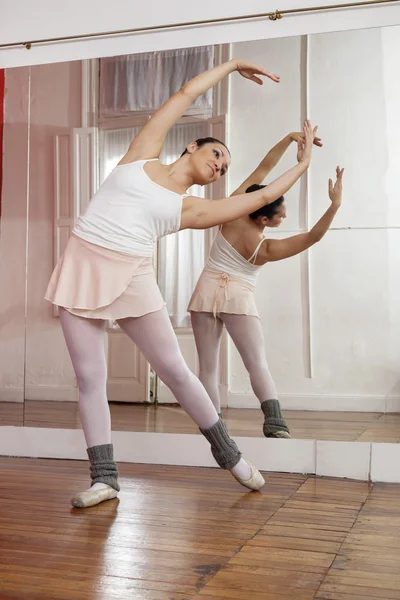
column 130, row 212
column 225, row 259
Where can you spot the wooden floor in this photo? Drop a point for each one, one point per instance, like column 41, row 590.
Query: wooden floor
column 180, row 533
column 12, row 414
column 343, row 426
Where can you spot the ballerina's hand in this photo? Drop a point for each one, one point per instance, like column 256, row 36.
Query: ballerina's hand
column 335, row 191
column 250, row 71
column 298, row 135
column 304, row 145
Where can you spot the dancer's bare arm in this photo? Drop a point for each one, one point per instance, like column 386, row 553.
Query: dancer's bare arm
column 271, row 159
column 200, row 213
column 272, row 250
column 149, row 141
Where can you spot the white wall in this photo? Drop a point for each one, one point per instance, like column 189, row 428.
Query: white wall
column 352, row 287
column 12, row 236
column 75, row 17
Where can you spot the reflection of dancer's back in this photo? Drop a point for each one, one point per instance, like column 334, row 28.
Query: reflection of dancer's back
column 105, row 273
column 224, row 294
column 227, row 286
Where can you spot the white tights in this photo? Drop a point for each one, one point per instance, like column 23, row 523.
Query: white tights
column 247, row 335
column 154, row 336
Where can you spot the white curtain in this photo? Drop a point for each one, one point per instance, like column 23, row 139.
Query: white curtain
column 143, row 82
column 113, row 145
column 181, row 255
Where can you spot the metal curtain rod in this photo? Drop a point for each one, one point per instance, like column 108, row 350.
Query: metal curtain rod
column 272, row 16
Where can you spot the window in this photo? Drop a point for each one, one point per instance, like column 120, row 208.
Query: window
column 141, row 83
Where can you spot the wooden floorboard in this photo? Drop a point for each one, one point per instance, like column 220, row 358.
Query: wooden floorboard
column 368, row 564
column 11, row 414
column 170, row 532
column 292, row 553
column 179, row 533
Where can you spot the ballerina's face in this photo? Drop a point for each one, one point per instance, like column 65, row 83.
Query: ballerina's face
column 278, row 217
column 209, row 163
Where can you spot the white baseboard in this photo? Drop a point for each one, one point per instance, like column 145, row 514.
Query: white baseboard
column 57, row 393
column 393, row 405
column 322, row 402
column 290, row 456
column 11, row 394
column 350, row 460
column 385, row 463
column 288, row 401
column 355, row 460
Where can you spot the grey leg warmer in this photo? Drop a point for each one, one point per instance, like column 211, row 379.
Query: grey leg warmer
column 223, row 448
column 103, row 469
column 274, row 420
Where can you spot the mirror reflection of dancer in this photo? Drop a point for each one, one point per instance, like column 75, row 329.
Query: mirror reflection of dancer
column 224, row 294
column 106, row 273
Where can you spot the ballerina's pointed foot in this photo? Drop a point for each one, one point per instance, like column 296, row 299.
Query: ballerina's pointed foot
column 91, row 497
column 256, row 480
column 280, row 435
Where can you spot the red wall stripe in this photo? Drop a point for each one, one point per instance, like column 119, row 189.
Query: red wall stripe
column 2, row 78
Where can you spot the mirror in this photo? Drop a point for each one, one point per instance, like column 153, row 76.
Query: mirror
column 55, row 109
column 14, row 173
column 330, row 316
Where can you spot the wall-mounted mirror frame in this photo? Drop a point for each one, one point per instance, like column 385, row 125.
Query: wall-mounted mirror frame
column 392, row 21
